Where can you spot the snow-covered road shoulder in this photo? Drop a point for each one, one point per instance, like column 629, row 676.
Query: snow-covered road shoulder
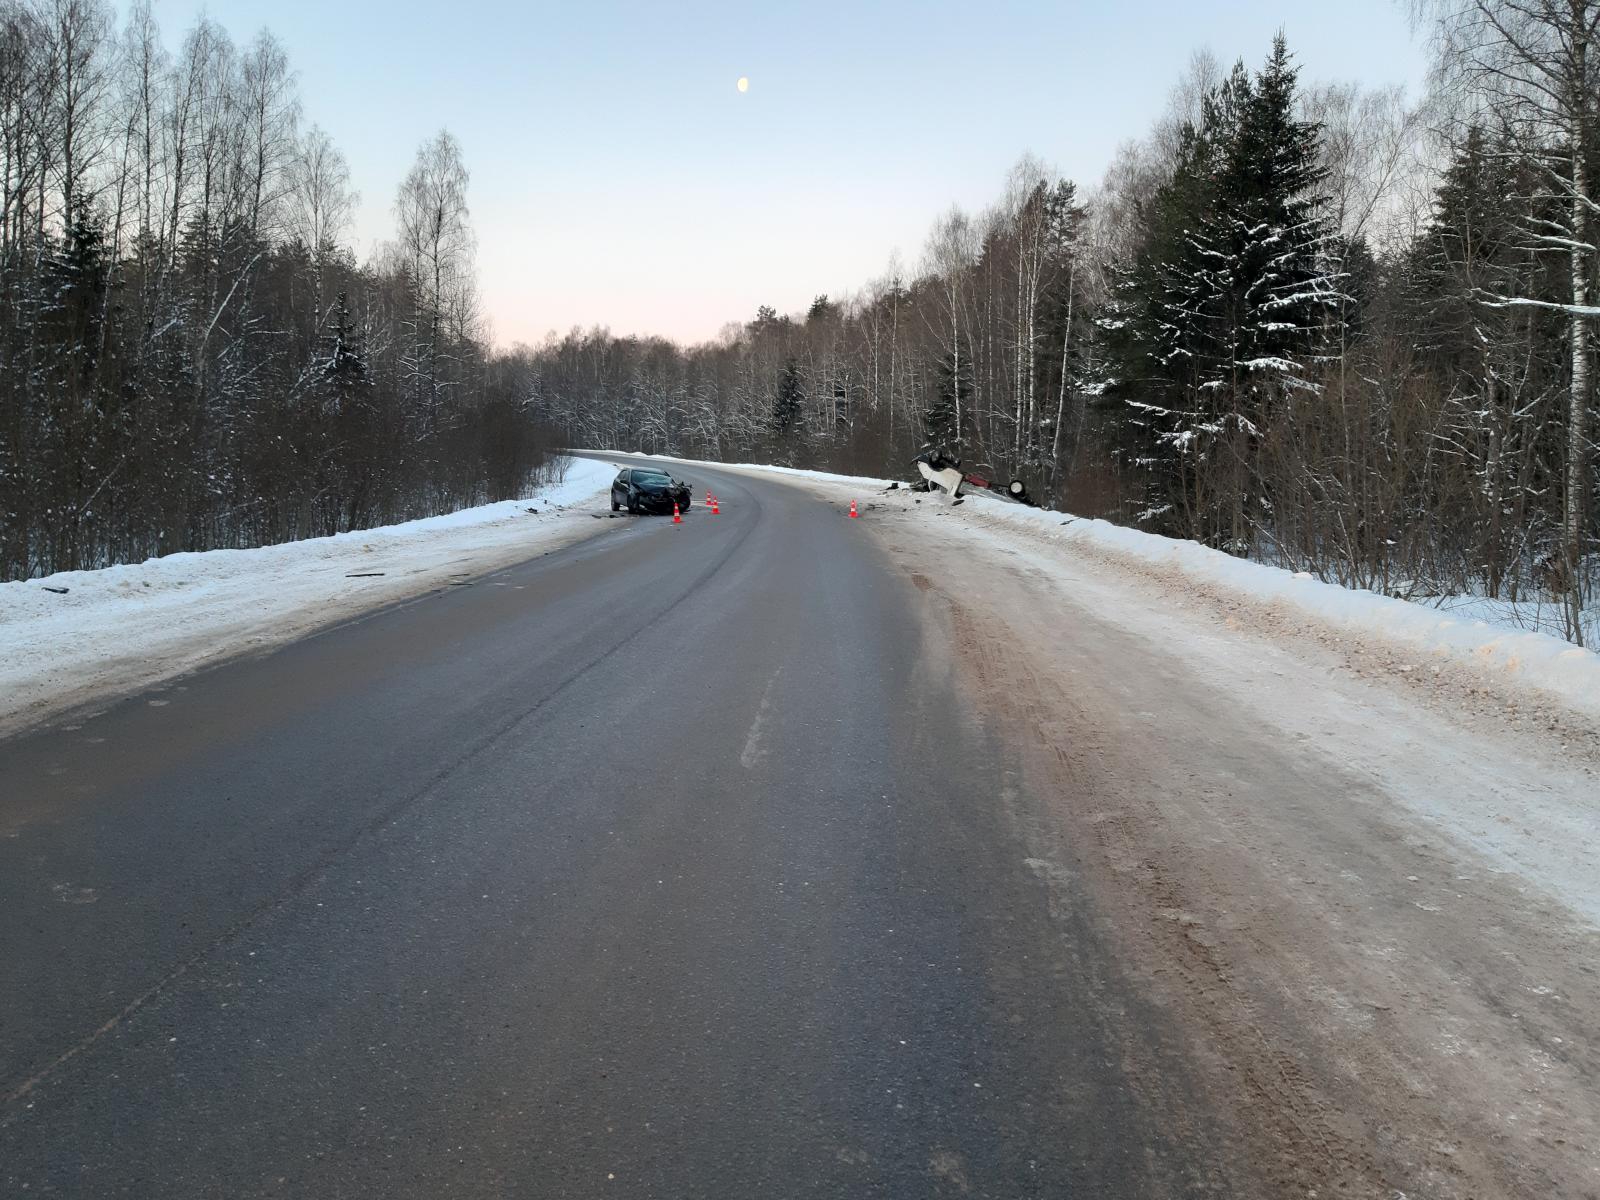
column 85, row 636
column 1421, row 637
column 1433, row 636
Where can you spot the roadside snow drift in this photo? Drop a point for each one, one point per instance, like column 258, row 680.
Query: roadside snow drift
column 113, row 630
column 1516, row 655
column 1536, row 659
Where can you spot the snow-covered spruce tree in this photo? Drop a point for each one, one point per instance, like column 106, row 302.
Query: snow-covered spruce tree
column 1233, row 301
column 1150, row 321
column 786, row 426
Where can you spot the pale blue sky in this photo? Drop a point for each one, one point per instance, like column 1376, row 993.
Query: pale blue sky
column 619, row 178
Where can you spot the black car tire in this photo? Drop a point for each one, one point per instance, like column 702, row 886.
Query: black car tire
column 614, row 504
column 632, row 506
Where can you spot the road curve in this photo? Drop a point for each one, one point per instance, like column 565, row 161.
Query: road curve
column 672, row 864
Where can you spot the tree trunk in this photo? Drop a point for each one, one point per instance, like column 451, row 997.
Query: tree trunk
column 1061, row 398
column 1578, row 403
column 955, row 378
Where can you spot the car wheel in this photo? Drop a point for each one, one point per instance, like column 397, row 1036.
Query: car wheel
column 614, row 504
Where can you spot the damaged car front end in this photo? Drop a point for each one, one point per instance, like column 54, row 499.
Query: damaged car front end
column 648, row 490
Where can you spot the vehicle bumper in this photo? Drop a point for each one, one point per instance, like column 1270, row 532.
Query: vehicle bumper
column 656, row 504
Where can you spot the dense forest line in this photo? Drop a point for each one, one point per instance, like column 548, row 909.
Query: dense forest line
column 189, row 355
column 1310, row 324
column 1303, row 322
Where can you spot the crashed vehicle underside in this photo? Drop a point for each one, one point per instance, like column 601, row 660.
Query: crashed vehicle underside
column 941, row 472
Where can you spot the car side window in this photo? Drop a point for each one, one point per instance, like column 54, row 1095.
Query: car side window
column 622, row 478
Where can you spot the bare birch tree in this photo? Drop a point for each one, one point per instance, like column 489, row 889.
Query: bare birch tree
column 952, row 249
column 436, row 249
column 270, row 113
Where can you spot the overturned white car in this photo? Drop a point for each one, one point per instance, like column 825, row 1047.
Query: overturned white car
column 940, row 472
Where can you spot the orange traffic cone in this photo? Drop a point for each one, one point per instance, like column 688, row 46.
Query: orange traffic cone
column 677, row 517
column 708, row 499
column 713, row 506
column 853, row 511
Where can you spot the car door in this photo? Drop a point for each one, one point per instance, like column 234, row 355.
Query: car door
column 619, row 487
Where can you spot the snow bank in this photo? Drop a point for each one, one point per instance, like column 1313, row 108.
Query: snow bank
column 864, row 481
column 130, row 626
column 1456, row 631
column 1536, row 659
column 1537, row 616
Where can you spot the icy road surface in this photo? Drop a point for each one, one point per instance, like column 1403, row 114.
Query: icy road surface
column 782, row 854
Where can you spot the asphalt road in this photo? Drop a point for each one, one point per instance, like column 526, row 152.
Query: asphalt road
column 673, row 864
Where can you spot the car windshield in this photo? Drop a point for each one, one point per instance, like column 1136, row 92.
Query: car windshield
column 652, row 478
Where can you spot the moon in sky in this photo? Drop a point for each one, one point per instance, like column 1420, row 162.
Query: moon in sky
column 744, row 84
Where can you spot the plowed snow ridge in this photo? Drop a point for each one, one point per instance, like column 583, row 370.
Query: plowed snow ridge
column 127, row 627
column 1534, row 660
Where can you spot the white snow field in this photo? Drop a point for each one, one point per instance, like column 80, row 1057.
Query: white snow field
column 126, row 627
